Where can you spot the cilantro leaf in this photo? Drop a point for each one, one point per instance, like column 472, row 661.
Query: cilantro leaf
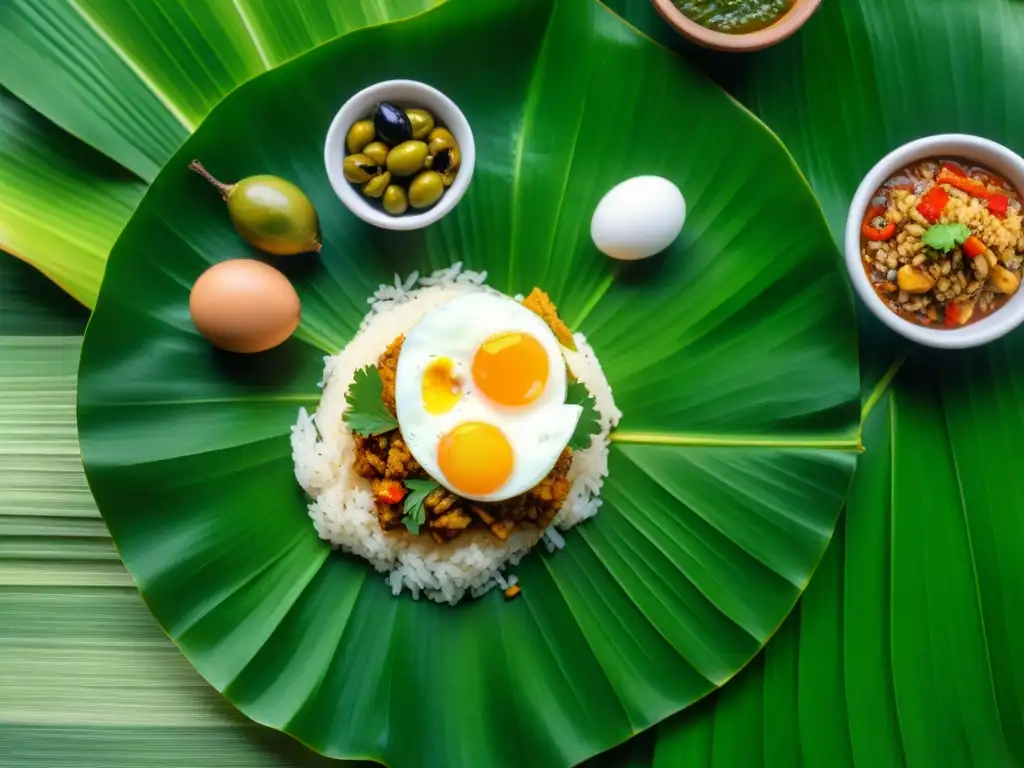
column 366, row 412
column 414, row 511
column 946, row 237
column 589, row 423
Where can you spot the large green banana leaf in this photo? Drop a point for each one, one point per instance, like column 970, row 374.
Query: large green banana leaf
column 87, row 678
column 897, row 654
column 132, row 78
column 848, row 30
column 62, row 204
column 926, row 627
column 733, row 359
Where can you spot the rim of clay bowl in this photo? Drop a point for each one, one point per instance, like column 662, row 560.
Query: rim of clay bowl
column 793, row 19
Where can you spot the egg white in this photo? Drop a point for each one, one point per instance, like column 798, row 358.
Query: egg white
column 537, row 432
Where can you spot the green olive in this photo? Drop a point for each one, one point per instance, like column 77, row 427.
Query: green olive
column 377, row 151
column 426, row 189
column 395, row 200
column 422, row 122
column 407, row 158
column 359, row 169
column 439, row 139
column 359, row 135
column 375, row 187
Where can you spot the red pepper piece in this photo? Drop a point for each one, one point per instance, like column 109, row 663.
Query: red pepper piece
column 991, row 179
column 974, row 247
column 951, row 315
column 932, row 203
column 390, row 492
column 876, row 233
column 953, row 168
column 998, row 204
column 970, row 186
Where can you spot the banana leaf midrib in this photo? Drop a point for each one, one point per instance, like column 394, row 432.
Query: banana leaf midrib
column 697, row 440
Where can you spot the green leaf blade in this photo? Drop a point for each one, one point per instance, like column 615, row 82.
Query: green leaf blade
column 366, row 412
column 742, row 469
column 588, row 424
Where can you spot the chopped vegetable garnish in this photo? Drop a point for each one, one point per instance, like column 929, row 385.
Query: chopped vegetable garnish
column 970, row 186
column 932, row 203
column 951, row 315
column 991, row 179
column 946, row 237
column 954, row 169
column 415, row 514
column 973, row 246
column 389, row 491
column 367, row 414
column 876, row 226
column 997, row 204
column 589, row 423
column 512, row 591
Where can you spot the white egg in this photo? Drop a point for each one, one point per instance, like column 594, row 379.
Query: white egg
column 638, row 218
column 442, row 345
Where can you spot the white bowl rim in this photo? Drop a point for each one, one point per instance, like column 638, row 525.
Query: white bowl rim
column 986, row 152
column 408, row 92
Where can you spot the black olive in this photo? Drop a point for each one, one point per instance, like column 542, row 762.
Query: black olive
column 392, row 124
column 442, row 161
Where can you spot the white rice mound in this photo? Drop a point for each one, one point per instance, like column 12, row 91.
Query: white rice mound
column 342, row 506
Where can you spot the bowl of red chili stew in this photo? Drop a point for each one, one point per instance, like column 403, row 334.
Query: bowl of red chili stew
column 935, row 241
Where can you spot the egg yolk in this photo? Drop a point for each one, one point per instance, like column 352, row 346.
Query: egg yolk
column 511, row 368
column 476, row 458
column 441, row 388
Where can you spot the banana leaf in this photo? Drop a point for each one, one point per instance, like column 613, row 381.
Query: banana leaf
column 132, row 78
column 900, row 605
column 853, row 30
column 733, row 358
column 892, row 657
column 62, row 204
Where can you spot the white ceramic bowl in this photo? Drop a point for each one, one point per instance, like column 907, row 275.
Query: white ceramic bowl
column 406, row 94
column 986, row 153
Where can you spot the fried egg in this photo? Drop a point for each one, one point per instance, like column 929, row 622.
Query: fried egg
column 480, row 396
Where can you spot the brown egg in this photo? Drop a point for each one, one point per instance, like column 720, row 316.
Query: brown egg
column 243, row 305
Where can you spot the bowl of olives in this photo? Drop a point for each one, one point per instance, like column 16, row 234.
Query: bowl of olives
column 400, row 154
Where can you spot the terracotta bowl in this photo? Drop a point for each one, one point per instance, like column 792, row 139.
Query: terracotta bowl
column 749, row 41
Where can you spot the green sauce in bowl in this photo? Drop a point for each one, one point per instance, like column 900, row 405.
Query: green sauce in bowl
column 735, row 16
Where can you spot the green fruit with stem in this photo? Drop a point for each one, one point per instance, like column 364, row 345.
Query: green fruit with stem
column 270, row 213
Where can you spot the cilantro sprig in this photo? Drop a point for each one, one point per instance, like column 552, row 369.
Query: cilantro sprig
column 414, row 511
column 590, row 422
column 946, row 237
column 366, row 412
